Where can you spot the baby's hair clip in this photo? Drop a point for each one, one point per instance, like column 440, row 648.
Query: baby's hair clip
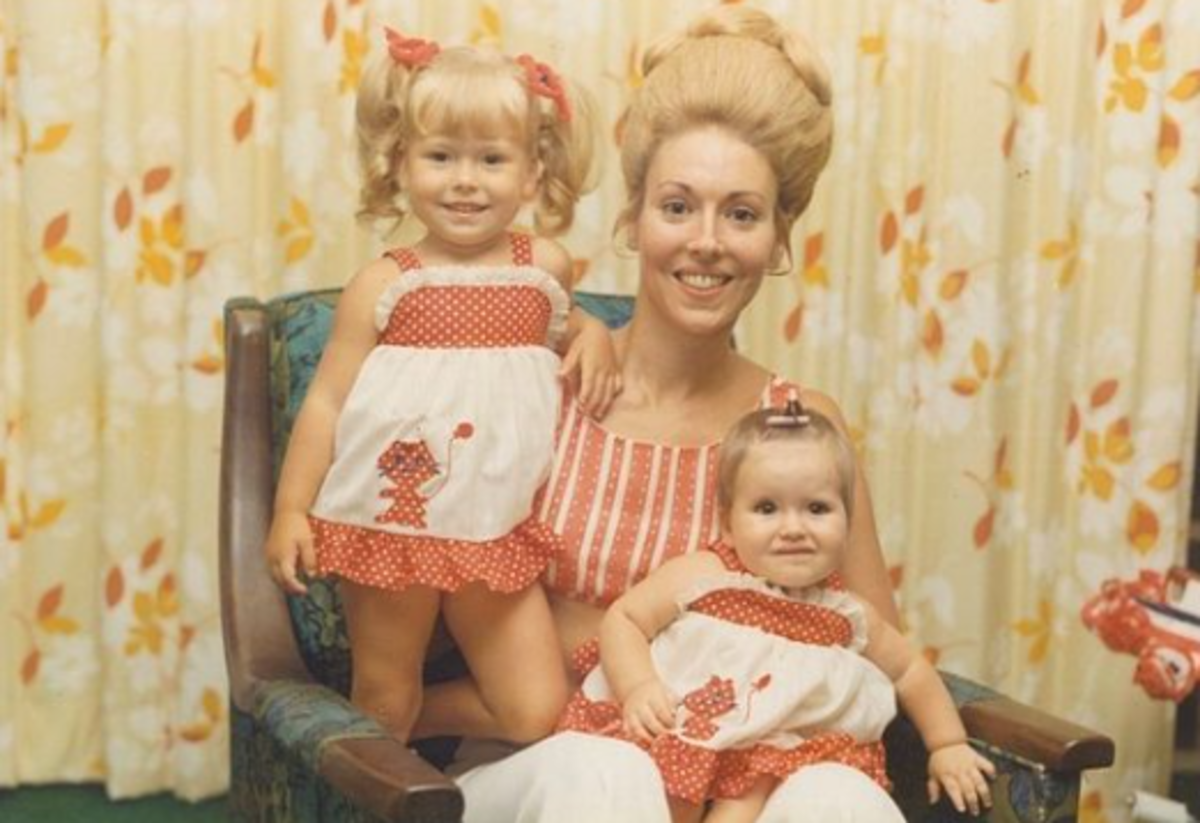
column 545, row 82
column 410, row 52
column 792, row 416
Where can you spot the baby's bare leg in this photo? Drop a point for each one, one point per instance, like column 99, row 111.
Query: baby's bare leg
column 511, row 647
column 744, row 809
column 388, row 634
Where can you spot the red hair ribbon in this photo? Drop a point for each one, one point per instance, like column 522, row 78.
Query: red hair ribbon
column 411, row 52
column 545, row 82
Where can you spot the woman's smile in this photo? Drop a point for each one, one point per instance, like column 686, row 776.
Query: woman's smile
column 706, row 232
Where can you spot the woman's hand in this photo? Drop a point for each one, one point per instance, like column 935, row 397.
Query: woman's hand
column 289, row 540
column 649, row 710
column 964, row 774
column 591, row 364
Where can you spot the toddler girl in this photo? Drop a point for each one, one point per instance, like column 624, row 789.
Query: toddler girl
column 736, row 666
column 428, row 426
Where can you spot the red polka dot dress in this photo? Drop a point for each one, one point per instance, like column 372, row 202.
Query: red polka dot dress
column 447, row 434
column 769, row 681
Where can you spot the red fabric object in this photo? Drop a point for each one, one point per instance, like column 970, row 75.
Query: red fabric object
column 392, row 561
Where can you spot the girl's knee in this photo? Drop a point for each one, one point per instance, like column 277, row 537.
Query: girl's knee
column 394, row 704
column 533, row 719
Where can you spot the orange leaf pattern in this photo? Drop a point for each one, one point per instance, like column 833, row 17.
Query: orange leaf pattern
column 1013, row 344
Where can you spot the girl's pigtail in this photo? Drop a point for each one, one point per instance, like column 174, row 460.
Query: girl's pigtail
column 380, row 139
column 380, row 117
column 566, row 149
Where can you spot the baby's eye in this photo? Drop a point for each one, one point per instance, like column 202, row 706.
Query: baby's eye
column 765, row 507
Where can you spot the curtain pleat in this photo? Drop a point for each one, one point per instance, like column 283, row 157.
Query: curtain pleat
column 997, row 280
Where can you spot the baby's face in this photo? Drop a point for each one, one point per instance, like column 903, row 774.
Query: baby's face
column 787, row 519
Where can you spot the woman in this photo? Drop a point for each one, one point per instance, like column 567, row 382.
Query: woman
column 723, row 144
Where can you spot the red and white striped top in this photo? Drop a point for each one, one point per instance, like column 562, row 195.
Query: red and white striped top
column 624, row 506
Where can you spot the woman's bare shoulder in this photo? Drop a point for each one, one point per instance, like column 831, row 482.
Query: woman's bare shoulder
column 823, row 403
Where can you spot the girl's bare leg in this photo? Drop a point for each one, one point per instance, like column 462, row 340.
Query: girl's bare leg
column 744, row 809
column 511, row 647
column 683, row 812
column 388, row 634
column 453, row 708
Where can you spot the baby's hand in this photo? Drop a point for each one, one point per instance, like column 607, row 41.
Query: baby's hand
column 290, row 539
column 649, row 710
column 591, row 364
column 964, row 774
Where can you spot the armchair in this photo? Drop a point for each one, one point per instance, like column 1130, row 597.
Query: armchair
column 301, row 753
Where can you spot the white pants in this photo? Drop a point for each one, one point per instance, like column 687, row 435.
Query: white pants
column 582, row 778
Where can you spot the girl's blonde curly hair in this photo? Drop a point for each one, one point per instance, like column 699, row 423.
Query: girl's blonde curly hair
column 735, row 68
column 466, row 90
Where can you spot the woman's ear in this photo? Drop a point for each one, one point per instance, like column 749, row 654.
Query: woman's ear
column 778, row 258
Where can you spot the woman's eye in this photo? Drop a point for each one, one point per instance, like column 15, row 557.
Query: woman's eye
column 674, row 208
column 743, row 214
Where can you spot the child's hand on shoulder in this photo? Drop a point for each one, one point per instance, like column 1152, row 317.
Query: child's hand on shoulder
column 649, row 710
column 591, row 364
column 290, row 540
column 963, row 773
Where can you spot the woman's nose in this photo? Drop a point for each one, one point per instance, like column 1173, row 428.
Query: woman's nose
column 706, row 244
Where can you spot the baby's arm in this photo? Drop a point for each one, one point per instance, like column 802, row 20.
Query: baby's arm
column 953, row 764
column 625, row 633
column 589, row 359
column 310, row 450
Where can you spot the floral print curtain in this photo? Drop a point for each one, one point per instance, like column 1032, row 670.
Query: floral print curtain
column 998, row 279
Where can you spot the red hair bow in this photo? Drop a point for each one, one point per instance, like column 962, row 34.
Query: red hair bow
column 412, row 52
column 544, row 82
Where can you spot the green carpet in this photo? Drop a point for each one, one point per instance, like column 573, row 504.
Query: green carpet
column 88, row 804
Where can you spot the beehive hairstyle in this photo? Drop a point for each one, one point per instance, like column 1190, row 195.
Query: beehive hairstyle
column 736, row 68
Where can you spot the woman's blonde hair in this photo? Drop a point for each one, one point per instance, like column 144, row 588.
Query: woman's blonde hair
column 736, row 68
column 762, row 426
column 466, row 90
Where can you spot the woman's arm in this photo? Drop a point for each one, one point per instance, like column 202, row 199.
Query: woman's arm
column 310, row 449
column 863, row 569
column 625, row 634
column 953, row 764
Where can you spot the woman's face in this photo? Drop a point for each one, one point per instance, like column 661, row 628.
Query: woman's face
column 706, row 233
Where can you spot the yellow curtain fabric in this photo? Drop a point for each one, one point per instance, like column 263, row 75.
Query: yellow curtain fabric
column 998, row 279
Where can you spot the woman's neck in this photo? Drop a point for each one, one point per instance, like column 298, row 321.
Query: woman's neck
column 674, row 370
column 678, row 389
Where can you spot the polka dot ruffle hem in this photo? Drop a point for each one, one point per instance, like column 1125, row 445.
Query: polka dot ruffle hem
column 396, row 561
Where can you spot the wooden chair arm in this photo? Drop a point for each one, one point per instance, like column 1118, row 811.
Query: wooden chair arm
column 383, row 776
column 259, row 643
column 1026, row 732
column 1057, row 744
